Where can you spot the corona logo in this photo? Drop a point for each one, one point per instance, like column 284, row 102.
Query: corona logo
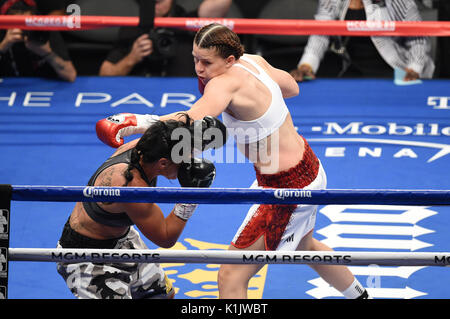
column 90, row 192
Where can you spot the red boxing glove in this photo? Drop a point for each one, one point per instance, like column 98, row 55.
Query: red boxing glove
column 112, row 129
column 201, row 86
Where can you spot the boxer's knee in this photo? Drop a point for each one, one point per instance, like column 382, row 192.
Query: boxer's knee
column 232, row 283
column 226, row 276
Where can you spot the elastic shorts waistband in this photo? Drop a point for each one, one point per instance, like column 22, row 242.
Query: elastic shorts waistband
column 72, row 239
column 298, row 176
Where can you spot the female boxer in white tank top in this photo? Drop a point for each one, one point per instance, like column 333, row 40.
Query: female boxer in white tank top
column 250, row 93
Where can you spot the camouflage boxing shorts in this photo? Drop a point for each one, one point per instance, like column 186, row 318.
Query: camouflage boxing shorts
column 112, row 280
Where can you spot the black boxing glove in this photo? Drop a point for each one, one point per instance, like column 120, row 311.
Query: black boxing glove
column 196, row 173
column 208, row 133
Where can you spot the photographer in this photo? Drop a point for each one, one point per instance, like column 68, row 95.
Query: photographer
column 32, row 53
column 162, row 52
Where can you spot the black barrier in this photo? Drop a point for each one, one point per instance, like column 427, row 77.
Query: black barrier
column 146, row 15
column 5, row 206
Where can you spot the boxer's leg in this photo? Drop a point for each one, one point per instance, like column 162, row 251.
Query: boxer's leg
column 233, row 279
column 340, row 277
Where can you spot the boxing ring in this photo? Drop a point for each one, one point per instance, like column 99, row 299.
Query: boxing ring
column 225, row 196
column 228, row 196
column 384, row 147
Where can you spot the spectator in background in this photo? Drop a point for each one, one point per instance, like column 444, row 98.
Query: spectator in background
column 368, row 56
column 32, row 53
column 52, row 7
column 444, row 42
column 163, row 52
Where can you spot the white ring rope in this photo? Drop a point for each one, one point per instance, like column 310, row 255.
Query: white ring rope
column 230, row 257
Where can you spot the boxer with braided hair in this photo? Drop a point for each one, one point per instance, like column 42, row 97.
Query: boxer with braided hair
column 250, row 95
column 216, row 36
column 110, row 225
column 155, row 144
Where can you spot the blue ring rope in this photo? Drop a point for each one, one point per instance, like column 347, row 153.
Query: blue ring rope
column 230, row 195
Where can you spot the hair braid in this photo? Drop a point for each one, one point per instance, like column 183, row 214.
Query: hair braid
column 134, row 161
column 218, row 36
column 155, row 143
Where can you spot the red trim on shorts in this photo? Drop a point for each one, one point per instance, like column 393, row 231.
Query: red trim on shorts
column 271, row 220
column 298, row 176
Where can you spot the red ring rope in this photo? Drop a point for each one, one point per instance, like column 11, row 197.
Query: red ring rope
column 242, row 26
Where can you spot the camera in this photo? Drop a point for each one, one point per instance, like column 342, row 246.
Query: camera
column 164, row 43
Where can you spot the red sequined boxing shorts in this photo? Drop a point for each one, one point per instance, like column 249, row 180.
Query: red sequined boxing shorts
column 283, row 226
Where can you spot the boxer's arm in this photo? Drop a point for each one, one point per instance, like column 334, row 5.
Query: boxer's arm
column 215, row 99
column 217, row 95
column 288, row 85
column 149, row 218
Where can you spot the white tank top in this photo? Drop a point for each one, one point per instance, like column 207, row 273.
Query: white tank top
column 246, row 132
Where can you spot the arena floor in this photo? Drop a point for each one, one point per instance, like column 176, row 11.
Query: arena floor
column 368, row 134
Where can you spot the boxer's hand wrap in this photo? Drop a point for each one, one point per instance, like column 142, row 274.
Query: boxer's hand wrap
column 184, row 211
column 208, row 133
column 112, row 129
column 196, row 173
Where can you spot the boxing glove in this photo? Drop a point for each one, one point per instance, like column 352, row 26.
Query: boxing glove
column 112, row 129
column 208, row 133
column 196, row 173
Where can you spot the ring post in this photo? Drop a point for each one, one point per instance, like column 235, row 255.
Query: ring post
column 5, row 206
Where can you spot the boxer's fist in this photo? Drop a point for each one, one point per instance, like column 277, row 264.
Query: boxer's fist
column 112, row 129
column 109, row 129
column 213, row 133
column 196, row 173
